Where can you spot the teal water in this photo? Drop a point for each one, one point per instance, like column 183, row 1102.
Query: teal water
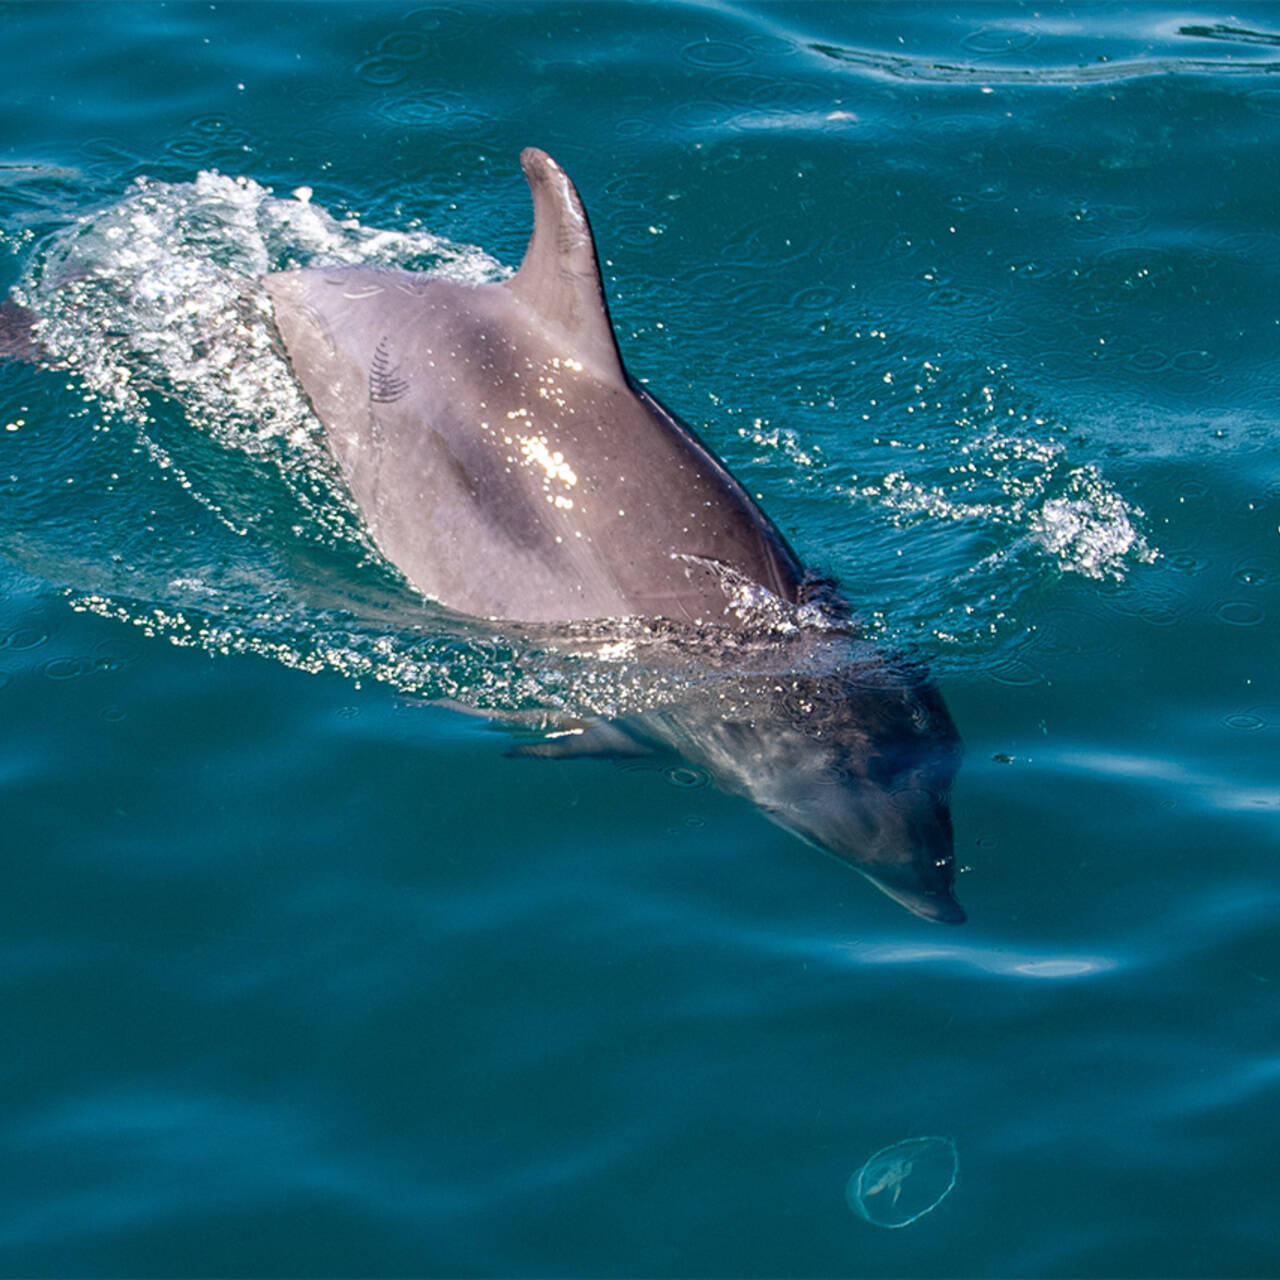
column 302, row 974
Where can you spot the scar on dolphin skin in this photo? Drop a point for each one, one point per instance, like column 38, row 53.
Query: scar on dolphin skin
column 386, row 386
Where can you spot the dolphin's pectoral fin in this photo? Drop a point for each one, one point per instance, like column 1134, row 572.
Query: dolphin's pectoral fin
column 576, row 741
column 560, row 275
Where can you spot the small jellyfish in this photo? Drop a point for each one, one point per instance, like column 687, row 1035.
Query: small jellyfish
column 901, row 1183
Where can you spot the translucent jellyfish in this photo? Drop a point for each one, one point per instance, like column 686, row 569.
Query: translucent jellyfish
column 902, row 1183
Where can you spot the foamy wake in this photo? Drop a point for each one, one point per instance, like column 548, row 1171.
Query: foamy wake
column 162, row 291
column 1068, row 511
column 1006, row 472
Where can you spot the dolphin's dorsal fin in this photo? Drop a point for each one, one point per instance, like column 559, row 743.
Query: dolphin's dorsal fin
column 560, row 275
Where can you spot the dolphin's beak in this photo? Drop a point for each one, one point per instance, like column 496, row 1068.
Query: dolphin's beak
column 937, row 905
column 941, row 908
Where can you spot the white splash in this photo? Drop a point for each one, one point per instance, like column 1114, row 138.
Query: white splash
column 162, row 291
column 1025, row 484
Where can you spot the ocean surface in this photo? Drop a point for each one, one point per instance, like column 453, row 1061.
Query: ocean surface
column 304, row 973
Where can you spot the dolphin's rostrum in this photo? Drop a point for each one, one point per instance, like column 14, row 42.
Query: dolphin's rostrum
column 507, row 463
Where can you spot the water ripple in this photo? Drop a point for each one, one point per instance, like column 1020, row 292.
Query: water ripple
column 1235, row 35
column 929, row 70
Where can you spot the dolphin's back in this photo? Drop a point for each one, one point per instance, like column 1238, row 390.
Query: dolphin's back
column 500, row 454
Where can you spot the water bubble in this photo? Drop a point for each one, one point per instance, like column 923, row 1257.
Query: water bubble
column 716, row 54
column 1239, row 613
column 991, row 40
column 686, row 778
column 1195, row 361
column 1149, row 360
column 1248, row 721
column 381, row 71
column 816, row 298
column 697, row 115
column 900, row 1184
column 1256, row 571
column 66, row 668
column 1016, row 673
column 1090, row 528
column 22, row 639
column 404, row 46
column 440, row 20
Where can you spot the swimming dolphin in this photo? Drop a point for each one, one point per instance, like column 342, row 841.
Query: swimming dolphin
column 504, row 459
column 508, row 464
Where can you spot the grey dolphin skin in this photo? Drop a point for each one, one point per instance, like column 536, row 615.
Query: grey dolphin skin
column 507, row 463
column 502, row 458
column 17, row 334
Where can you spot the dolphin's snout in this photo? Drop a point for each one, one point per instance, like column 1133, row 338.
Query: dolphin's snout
column 942, row 908
column 906, row 885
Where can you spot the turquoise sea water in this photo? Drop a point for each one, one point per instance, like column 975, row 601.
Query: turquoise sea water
column 304, row 974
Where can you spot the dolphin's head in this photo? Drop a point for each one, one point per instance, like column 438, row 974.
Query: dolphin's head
column 858, row 762
column 886, row 813
column 875, row 790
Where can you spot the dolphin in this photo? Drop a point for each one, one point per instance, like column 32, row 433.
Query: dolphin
column 505, row 460
column 507, row 463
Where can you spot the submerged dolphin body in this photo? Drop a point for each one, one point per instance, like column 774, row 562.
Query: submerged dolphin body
column 507, row 463
column 850, row 749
